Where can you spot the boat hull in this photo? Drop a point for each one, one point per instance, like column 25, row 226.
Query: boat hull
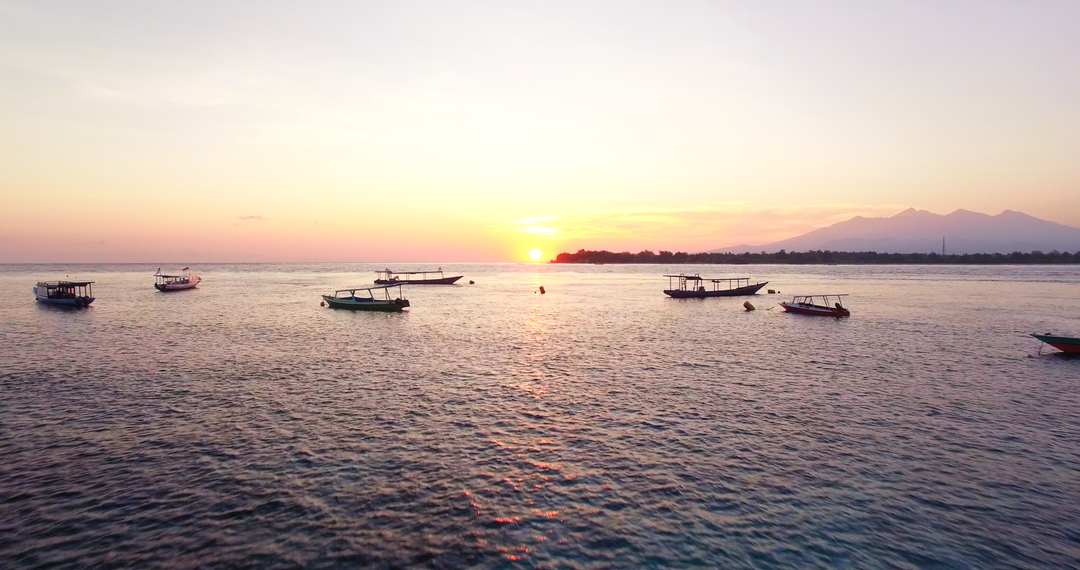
column 76, row 302
column 442, row 281
column 739, row 291
column 815, row 310
column 353, row 304
column 175, row 287
column 1062, row 343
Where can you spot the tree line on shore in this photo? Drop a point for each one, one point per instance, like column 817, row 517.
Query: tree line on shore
column 819, row 257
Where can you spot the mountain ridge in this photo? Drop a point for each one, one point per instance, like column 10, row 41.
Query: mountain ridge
column 921, row 231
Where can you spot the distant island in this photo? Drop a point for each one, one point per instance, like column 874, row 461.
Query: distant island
column 820, row 257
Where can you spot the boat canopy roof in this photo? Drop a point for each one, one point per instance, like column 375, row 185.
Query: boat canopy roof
column 65, row 283
column 823, row 295
column 408, row 272
column 367, row 288
column 713, row 279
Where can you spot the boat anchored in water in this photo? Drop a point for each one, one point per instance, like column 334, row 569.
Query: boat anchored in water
column 371, row 302
column 1062, row 343
column 806, row 305
column 67, row 293
column 387, row 277
column 186, row 280
column 693, row 287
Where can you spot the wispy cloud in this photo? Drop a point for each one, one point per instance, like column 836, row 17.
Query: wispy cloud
column 251, row 218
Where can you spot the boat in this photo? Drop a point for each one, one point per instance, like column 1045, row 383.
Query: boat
column 186, row 280
column 1062, row 343
column 693, row 287
column 66, row 293
column 387, row 277
column 371, row 302
column 806, row 305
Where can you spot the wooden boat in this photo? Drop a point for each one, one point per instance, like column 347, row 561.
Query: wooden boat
column 805, row 305
column 387, row 277
column 371, row 302
column 1062, row 343
column 185, row 280
column 66, row 293
column 693, row 287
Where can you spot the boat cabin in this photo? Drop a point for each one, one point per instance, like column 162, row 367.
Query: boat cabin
column 77, row 293
column 826, row 301
column 167, row 280
column 697, row 283
column 393, row 276
column 374, row 294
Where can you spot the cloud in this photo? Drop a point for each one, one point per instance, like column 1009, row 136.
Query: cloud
column 252, row 218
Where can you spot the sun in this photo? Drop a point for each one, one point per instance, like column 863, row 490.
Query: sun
column 535, row 254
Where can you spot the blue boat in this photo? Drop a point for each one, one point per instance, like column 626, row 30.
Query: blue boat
column 66, row 293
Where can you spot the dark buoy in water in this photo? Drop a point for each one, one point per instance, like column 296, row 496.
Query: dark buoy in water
column 542, row 290
column 749, row 306
column 771, row 292
column 322, row 303
column 471, row 282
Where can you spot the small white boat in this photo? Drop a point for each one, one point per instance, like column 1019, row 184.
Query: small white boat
column 186, row 280
column 817, row 305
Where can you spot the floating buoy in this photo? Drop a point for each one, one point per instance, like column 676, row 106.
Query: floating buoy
column 322, row 303
column 471, row 282
column 542, row 290
column 749, row 306
column 771, row 292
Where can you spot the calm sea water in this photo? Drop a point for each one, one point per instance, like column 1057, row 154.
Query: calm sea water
column 599, row 425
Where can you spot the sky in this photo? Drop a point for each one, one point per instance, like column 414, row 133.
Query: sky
column 478, row 131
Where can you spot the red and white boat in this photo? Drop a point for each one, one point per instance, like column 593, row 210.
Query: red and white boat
column 186, row 280
column 809, row 305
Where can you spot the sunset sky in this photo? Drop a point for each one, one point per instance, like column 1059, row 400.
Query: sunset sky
column 478, row 131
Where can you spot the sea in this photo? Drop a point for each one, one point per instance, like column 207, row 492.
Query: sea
column 596, row 424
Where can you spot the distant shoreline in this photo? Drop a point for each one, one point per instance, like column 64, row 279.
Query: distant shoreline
column 819, row 258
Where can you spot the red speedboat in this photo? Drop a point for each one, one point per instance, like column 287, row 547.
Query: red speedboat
column 1062, row 343
column 809, row 305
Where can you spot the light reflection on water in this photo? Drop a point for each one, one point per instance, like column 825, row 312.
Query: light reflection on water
column 598, row 424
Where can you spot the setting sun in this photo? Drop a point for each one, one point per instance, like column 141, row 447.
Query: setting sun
column 535, row 254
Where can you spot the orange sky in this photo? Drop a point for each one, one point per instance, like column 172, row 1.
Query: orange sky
column 477, row 131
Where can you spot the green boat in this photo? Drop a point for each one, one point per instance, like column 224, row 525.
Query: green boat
column 373, row 301
column 1063, row 343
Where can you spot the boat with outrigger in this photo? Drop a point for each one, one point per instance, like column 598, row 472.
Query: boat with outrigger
column 809, row 305
column 65, row 293
column 186, row 280
column 388, row 277
column 683, row 286
column 373, row 301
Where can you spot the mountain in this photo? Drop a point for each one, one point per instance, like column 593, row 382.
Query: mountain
column 920, row 231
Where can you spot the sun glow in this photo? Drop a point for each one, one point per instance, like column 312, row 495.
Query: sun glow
column 535, row 254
